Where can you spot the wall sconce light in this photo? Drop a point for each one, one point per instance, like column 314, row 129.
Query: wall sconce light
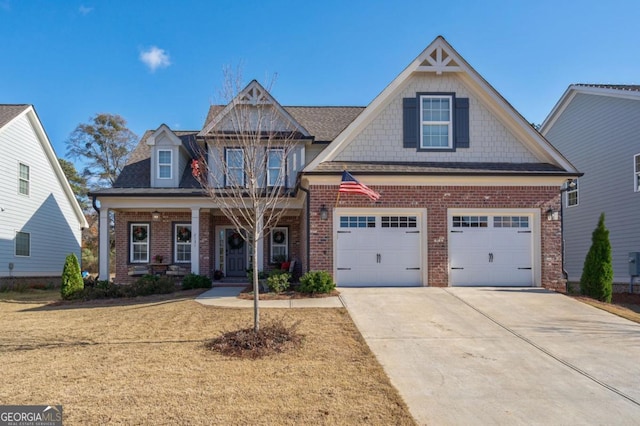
column 551, row 215
column 324, row 213
column 155, row 215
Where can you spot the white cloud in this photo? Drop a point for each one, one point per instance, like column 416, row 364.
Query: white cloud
column 85, row 10
column 155, row 58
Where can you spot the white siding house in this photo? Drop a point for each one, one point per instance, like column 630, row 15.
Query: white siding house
column 597, row 128
column 40, row 219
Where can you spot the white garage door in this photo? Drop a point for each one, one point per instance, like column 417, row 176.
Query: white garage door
column 491, row 250
column 379, row 250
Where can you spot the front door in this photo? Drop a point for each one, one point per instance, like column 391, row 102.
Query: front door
column 236, row 255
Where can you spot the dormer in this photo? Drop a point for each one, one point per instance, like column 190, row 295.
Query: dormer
column 168, row 158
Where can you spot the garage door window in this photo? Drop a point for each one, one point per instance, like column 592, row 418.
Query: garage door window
column 470, row 221
column 399, row 222
column 357, row 222
column 511, row 222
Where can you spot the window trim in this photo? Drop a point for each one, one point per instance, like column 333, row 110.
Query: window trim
column 227, row 184
column 169, row 165
column 132, row 243
column 177, row 243
column 282, row 168
column 15, row 244
column 21, row 179
column 636, row 173
column 273, row 244
column 422, row 122
column 571, row 191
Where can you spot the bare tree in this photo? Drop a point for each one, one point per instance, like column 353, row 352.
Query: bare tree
column 243, row 161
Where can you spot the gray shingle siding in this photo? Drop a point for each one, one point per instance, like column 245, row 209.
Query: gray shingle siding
column 600, row 135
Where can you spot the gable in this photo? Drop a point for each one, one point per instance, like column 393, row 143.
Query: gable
column 496, row 131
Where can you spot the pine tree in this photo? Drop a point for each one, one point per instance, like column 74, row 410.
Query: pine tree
column 71, row 277
column 597, row 273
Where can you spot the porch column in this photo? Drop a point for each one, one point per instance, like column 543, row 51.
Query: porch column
column 195, row 240
column 103, row 245
column 260, row 248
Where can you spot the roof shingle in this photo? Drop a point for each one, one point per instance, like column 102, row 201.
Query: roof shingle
column 8, row 112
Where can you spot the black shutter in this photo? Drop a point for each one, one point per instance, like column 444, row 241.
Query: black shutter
column 461, row 131
column 410, row 122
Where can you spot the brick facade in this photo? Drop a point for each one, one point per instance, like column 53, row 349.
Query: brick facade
column 437, row 199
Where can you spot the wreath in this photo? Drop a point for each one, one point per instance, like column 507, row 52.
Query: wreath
column 278, row 237
column 235, row 241
column 184, row 234
column 140, row 233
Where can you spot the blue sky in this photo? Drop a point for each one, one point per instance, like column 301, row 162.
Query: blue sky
column 159, row 61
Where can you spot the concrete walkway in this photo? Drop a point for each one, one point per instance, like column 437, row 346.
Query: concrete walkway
column 477, row 356
column 228, row 297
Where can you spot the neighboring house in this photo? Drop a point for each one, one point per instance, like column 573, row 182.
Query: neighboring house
column 596, row 126
column 40, row 219
column 467, row 190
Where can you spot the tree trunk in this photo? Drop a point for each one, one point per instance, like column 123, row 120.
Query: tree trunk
column 256, row 285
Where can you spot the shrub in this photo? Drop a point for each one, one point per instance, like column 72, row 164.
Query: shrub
column 597, row 274
column 148, row 285
column 192, row 280
column 317, row 282
column 261, row 275
column 278, row 281
column 71, row 277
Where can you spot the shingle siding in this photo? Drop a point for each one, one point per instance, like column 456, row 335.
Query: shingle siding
column 600, row 135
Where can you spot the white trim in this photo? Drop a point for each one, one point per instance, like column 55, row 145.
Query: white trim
column 420, row 213
column 131, row 243
column 227, row 168
column 282, row 169
column 636, row 173
column 161, row 165
column 572, row 190
column 273, row 244
column 534, row 226
column 448, row 123
column 219, row 241
column 176, row 243
column 28, row 180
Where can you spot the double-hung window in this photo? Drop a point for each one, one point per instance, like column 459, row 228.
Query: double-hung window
column 436, row 121
column 572, row 193
column 182, row 242
column 279, row 244
column 636, row 172
column 23, row 179
column 23, row 244
column 235, row 167
column 275, row 167
column 139, row 242
column 164, row 164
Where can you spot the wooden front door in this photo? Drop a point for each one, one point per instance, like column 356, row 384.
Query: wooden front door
column 236, row 254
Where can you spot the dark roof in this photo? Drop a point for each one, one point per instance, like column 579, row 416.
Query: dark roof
column 630, row 87
column 137, row 173
column 322, row 122
column 9, row 112
column 436, row 168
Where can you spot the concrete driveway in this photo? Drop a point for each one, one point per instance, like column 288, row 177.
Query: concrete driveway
column 501, row 356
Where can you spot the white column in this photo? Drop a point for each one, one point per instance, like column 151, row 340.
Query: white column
column 195, row 240
column 103, row 245
column 260, row 249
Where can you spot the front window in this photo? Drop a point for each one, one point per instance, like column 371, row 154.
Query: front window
column 23, row 179
column 139, row 242
column 275, row 167
column 182, row 242
column 636, row 172
column 23, row 244
column 164, row 164
column 572, row 193
column 235, row 167
column 279, row 244
column 436, row 118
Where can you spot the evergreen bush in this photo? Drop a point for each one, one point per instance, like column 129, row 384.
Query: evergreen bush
column 317, row 282
column 192, row 280
column 71, row 277
column 278, row 280
column 597, row 274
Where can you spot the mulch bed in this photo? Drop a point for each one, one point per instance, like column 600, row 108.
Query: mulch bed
column 247, row 294
column 626, row 298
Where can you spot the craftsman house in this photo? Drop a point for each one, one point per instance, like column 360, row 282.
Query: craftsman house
column 468, row 190
column 40, row 219
column 596, row 126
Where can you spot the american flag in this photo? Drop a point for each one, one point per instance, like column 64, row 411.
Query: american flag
column 351, row 184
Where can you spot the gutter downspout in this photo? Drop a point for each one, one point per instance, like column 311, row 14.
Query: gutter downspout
column 308, row 207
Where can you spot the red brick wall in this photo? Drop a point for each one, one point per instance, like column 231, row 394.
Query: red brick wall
column 437, row 199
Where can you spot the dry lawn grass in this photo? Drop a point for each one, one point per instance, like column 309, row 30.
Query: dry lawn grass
column 144, row 362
